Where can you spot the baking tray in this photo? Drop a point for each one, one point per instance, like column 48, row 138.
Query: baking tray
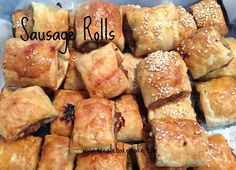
column 9, row 6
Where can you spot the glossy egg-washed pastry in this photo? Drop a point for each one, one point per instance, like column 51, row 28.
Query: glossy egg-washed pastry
column 205, row 51
column 101, row 73
column 217, row 100
column 65, row 102
column 23, row 154
column 24, row 111
column 37, row 61
column 97, row 11
column 93, row 125
column 55, row 154
column 162, row 77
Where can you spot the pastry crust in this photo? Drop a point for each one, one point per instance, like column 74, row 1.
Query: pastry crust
column 21, row 155
column 230, row 69
column 93, row 125
column 152, row 28
column 129, row 110
column 179, row 143
column 162, row 77
column 24, row 111
column 61, row 125
column 103, row 160
column 178, row 109
column 97, row 11
column 55, row 153
column 37, row 63
column 205, row 51
column 73, row 80
column 209, row 13
column 220, row 155
column 101, row 73
column 217, row 100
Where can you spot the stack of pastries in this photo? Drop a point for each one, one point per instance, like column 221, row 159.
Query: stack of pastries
column 121, row 103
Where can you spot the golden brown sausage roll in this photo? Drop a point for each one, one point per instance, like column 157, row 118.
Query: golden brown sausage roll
column 150, row 29
column 93, row 125
column 65, row 102
column 102, row 24
column 37, row 63
column 144, row 161
column 73, row 80
column 209, row 13
column 179, row 143
column 178, row 109
column 128, row 108
column 129, row 65
column 55, row 153
column 162, row 76
column 205, row 51
column 220, row 155
column 230, row 69
column 218, row 100
column 24, row 111
column 117, row 159
column 21, row 155
column 100, row 72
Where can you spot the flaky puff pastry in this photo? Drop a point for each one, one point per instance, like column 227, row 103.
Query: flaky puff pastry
column 97, row 11
column 230, row 69
column 205, row 51
column 73, row 80
column 129, row 110
column 24, row 111
column 65, row 102
column 116, row 160
column 55, row 153
column 129, row 65
column 37, row 63
column 209, row 13
column 178, row 109
column 152, row 28
column 144, row 161
column 179, row 143
column 162, row 77
column 219, row 155
column 93, row 125
column 21, row 155
column 100, row 72
column 217, row 100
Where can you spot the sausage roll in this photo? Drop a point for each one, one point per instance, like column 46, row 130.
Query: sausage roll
column 73, row 80
column 150, row 29
column 20, row 155
column 117, row 160
column 209, row 13
column 219, row 155
column 65, row 102
column 96, row 30
column 24, row 111
column 93, row 125
column 179, row 143
column 144, row 161
column 37, row 63
column 55, row 153
column 100, row 72
column 129, row 65
column 205, row 51
column 178, row 109
column 218, row 100
column 230, row 69
column 129, row 110
column 162, row 77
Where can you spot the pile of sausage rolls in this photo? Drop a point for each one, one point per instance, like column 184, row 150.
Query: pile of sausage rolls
column 121, row 103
